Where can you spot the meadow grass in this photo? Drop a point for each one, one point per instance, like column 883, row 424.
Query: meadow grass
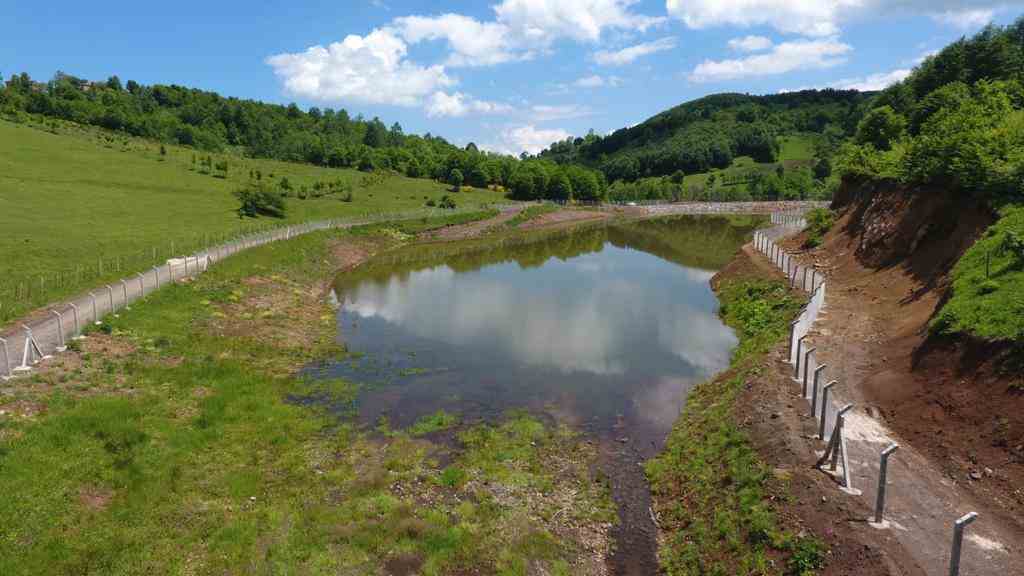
column 710, row 484
column 796, row 148
column 179, row 441
column 72, row 195
column 987, row 299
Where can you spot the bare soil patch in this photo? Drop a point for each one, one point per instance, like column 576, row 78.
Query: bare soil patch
column 773, row 414
column 562, row 217
column 472, row 229
column 887, row 261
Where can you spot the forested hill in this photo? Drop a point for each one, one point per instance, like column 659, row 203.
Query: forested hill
column 210, row 122
column 709, row 133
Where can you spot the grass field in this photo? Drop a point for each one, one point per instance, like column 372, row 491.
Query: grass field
column 988, row 285
column 709, row 483
column 795, row 148
column 175, row 444
column 71, row 196
column 794, row 151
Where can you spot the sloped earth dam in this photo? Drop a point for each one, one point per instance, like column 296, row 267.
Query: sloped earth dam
column 604, row 328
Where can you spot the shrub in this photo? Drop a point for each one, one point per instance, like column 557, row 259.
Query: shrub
column 258, row 200
column 819, row 222
column 456, row 179
column 447, row 203
column 881, row 128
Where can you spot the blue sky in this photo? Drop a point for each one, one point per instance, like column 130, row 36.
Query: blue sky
column 507, row 74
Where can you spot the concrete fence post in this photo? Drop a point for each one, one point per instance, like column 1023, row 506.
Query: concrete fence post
column 799, row 351
column 186, row 266
column 803, row 284
column 156, row 273
column 32, row 350
column 958, row 541
column 142, row 285
column 95, row 314
column 7, row 374
column 61, row 346
column 825, row 392
column 78, row 326
column 807, row 369
column 814, row 395
column 110, row 298
column 124, row 294
column 883, row 469
column 792, row 338
column 837, row 437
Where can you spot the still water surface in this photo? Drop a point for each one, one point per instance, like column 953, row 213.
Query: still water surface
column 603, row 328
column 606, row 328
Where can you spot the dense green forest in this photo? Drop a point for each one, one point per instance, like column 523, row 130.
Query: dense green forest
column 956, row 121
column 711, row 132
column 210, row 122
column 696, row 137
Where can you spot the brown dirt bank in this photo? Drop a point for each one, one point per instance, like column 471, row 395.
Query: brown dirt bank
column 773, row 415
column 888, row 261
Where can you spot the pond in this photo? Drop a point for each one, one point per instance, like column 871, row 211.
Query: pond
column 605, row 328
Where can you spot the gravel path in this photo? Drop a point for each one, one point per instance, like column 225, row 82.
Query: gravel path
column 922, row 501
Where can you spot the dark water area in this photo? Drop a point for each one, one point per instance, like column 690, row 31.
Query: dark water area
column 603, row 328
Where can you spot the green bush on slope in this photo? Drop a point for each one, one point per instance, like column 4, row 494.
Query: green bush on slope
column 988, row 285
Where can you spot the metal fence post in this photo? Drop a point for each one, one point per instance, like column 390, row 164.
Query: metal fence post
column 958, row 541
column 824, row 407
column 883, row 469
column 61, row 346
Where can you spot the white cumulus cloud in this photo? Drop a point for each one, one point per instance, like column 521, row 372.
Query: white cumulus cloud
column 528, row 138
column 965, row 19
column 629, row 54
column 809, row 17
column 472, row 43
column 873, row 82
column 822, row 18
column 548, row 113
column 370, row 69
column 584, row 20
column 750, row 44
column 459, row 104
column 785, row 57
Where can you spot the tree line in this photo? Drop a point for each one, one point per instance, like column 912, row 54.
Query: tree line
column 709, row 133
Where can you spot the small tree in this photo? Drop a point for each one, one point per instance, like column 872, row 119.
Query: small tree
column 163, row 150
column 258, row 200
column 823, row 169
column 881, row 128
column 456, row 179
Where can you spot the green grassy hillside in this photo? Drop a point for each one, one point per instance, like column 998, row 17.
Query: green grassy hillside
column 71, row 195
